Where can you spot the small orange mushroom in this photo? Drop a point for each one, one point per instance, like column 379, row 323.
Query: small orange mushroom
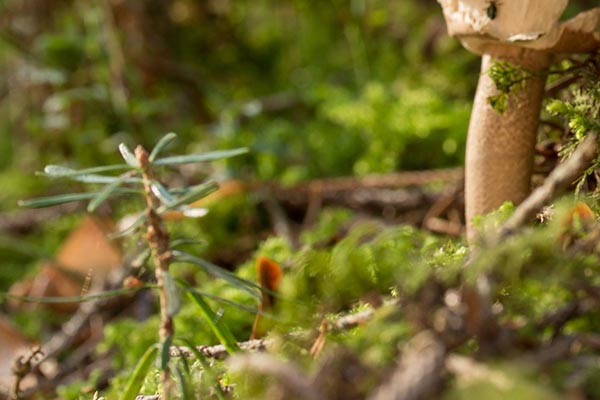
column 269, row 277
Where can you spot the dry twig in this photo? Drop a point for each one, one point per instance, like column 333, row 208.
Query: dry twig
column 73, row 329
column 468, row 370
column 419, row 372
column 291, row 378
column 218, row 351
column 22, row 366
column 158, row 241
column 280, row 221
column 557, row 181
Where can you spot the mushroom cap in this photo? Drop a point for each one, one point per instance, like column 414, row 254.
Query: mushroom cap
column 480, row 25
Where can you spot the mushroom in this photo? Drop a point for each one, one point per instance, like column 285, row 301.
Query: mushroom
column 528, row 35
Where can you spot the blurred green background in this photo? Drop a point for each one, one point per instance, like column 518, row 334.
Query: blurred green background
column 314, row 88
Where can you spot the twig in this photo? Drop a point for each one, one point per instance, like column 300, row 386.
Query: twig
column 315, row 204
column 591, row 340
column 555, row 87
column 22, row 366
column 290, row 377
column 468, row 370
column 587, row 244
column 67, row 335
column 24, row 221
column 353, row 320
column 432, row 220
column 280, row 222
column 319, row 343
column 418, row 375
column 387, row 181
column 440, row 225
column 556, row 350
column 70, row 374
column 559, row 318
column 557, row 181
column 591, row 290
column 480, row 321
column 158, row 241
column 218, row 351
column 443, row 202
column 77, row 323
column 405, row 196
column 71, row 329
column 563, row 346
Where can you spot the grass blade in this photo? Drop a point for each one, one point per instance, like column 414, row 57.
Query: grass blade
column 218, row 327
column 206, row 369
column 240, row 306
column 202, row 157
column 185, row 363
column 218, row 272
column 184, row 388
column 162, row 143
column 139, row 374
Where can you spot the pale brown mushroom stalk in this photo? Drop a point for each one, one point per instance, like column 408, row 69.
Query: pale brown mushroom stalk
column 527, row 34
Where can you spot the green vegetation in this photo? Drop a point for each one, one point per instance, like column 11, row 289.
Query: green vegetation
column 266, row 96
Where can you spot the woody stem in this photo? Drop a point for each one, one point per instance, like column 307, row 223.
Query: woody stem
column 500, row 146
column 157, row 238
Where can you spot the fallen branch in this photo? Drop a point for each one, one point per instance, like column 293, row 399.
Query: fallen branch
column 467, row 370
column 374, row 191
column 74, row 328
column 279, row 220
column 22, row 366
column 392, row 180
column 403, row 196
column 285, row 373
column 218, row 351
column 353, row 320
column 419, row 372
column 560, row 179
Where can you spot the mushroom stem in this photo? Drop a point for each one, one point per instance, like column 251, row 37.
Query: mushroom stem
column 500, row 146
